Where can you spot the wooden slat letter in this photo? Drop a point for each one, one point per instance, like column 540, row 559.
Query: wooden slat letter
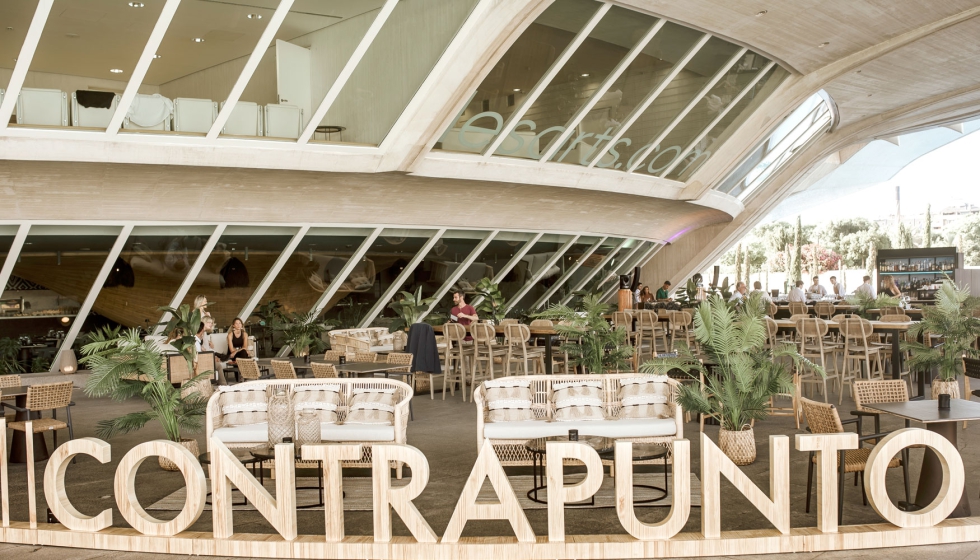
column 227, row 470
column 124, row 486
column 31, row 484
column 558, row 493
column 330, row 456
column 4, row 481
column 488, row 466
column 54, row 484
column 953, row 478
column 399, row 499
column 714, row 463
column 827, row 447
column 680, row 509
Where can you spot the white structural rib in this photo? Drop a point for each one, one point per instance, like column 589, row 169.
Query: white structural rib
column 347, row 71
column 401, row 279
column 581, row 283
column 192, row 274
column 24, row 61
column 643, row 258
column 650, row 98
column 149, row 51
column 557, row 143
column 14, row 253
column 641, row 159
column 253, row 62
column 444, row 289
column 568, row 273
column 624, row 265
column 270, row 276
column 540, row 273
column 687, row 149
column 93, row 294
column 503, row 272
column 545, row 81
column 345, row 271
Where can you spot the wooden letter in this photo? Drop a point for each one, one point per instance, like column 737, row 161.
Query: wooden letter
column 125, row 488
column 714, row 463
column 399, row 499
column 680, row 509
column 488, row 466
column 330, row 456
column 558, row 493
column 827, row 447
column 227, row 470
column 953, row 478
column 31, row 484
column 54, row 485
column 4, row 481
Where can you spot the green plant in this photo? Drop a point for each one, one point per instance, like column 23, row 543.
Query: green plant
column 590, row 340
column 687, row 295
column 350, row 313
column 493, row 302
column 181, row 331
column 304, row 332
column 123, row 366
column 10, row 356
column 743, row 375
column 953, row 317
column 40, row 364
column 409, row 309
column 269, row 314
column 864, row 302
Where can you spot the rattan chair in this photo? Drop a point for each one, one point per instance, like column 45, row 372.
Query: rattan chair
column 365, row 357
column 798, row 308
column 334, row 355
column 824, row 309
column 519, row 353
column 875, row 391
column 682, row 327
column 772, row 333
column 484, row 353
column 202, row 388
column 773, row 309
column 859, row 353
column 814, row 346
column 47, row 396
column 892, row 311
column 454, row 369
column 822, row 418
column 177, row 371
column 283, row 369
column 648, row 331
column 12, row 380
column 323, row 370
column 793, row 409
column 249, row 368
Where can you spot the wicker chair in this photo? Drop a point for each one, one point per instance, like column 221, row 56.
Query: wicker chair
column 519, row 353
column 365, row 357
column 334, row 355
column 822, row 418
column 202, row 388
column 859, row 350
column 249, row 368
column 682, row 327
column 283, row 369
column 648, row 330
column 813, row 345
column 773, row 309
column 48, row 396
column 892, row 311
column 402, row 359
column 876, row 391
column 323, row 371
column 455, row 356
column 484, row 353
column 12, row 380
column 824, row 309
column 798, row 308
column 177, row 370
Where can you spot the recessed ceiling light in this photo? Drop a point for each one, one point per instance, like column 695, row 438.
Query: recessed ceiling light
column 762, row 13
column 116, row 71
column 198, row 39
column 156, row 56
column 10, row 29
column 822, row 45
column 135, row 4
column 585, row 75
column 517, row 89
column 254, row 16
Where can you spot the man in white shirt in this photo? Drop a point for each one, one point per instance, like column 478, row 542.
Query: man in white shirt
column 838, row 287
column 817, row 291
column 739, row 294
column 797, row 294
column 757, row 289
column 865, row 289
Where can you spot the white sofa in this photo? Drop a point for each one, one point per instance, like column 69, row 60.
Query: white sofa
column 371, row 339
column 256, row 433
column 508, row 437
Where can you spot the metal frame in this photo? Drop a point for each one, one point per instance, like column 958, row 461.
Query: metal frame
column 503, row 272
column 545, row 81
column 583, row 111
column 540, row 274
column 650, row 98
column 253, row 62
column 624, row 265
column 273, row 272
column 192, row 273
column 568, row 273
column 474, row 254
column 24, row 59
column 654, row 247
column 93, row 294
column 605, row 260
column 13, row 254
column 347, row 71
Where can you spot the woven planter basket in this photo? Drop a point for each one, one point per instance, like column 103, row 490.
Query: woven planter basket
column 951, row 388
column 739, row 445
column 190, row 444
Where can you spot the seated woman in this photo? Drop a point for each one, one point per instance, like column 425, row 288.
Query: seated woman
column 208, row 346
column 237, row 341
column 889, row 288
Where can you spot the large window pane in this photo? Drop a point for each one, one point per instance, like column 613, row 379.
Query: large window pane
column 16, row 16
column 445, row 258
column 498, row 253
column 554, row 273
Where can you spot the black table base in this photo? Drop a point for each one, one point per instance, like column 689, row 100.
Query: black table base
column 931, row 475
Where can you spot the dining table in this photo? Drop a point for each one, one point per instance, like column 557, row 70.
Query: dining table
column 352, row 369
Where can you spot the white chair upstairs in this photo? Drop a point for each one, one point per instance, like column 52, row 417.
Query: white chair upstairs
column 92, row 117
column 149, row 112
column 245, row 120
column 194, row 115
column 283, row 121
column 44, row 107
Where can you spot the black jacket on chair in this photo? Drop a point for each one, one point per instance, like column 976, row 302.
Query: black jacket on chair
column 422, row 345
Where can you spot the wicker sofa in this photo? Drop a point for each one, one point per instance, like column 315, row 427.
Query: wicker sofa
column 254, row 434
column 508, row 437
column 370, row 339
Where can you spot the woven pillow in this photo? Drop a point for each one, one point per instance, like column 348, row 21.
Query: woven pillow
column 578, row 400
column 508, row 400
column 245, row 405
column 372, row 407
column 324, row 399
column 644, row 397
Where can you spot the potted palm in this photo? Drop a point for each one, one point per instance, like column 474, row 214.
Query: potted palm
column 304, row 333
column 953, row 318
column 737, row 375
column 864, row 303
column 409, row 310
column 590, row 341
column 123, row 366
column 493, row 302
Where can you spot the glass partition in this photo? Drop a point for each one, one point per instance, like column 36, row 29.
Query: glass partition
column 552, row 274
column 16, row 16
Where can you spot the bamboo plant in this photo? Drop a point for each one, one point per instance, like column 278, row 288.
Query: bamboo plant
column 590, row 341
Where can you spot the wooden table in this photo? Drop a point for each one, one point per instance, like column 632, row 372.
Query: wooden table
column 18, row 442
column 356, row 368
column 942, row 422
column 547, row 333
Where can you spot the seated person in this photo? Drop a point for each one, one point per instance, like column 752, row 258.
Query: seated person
column 816, row 291
column 663, row 294
column 739, row 294
column 797, row 294
column 237, row 341
column 757, row 289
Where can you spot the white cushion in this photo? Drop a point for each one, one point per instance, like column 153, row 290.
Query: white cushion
column 632, row 428
column 357, row 432
column 246, row 433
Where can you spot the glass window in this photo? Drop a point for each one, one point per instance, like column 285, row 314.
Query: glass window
column 16, row 16
column 555, row 274
column 445, row 258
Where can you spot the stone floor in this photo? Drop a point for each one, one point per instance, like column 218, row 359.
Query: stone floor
column 445, row 431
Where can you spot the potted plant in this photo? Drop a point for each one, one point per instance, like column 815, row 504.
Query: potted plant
column 493, row 302
column 737, row 376
column 864, row 303
column 304, row 333
column 124, row 366
column 409, row 309
column 953, row 318
column 269, row 315
column 590, row 341
column 10, row 356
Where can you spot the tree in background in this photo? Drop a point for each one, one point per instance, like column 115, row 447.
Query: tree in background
column 748, row 269
column 798, row 252
column 815, row 259
column 927, row 235
column 851, row 239
column 904, row 237
column 755, row 251
column 738, row 263
column 872, row 262
column 965, row 235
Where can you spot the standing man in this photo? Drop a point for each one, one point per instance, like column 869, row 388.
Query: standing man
column 839, row 290
column 462, row 312
column 817, row 291
column 865, row 289
column 663, row 294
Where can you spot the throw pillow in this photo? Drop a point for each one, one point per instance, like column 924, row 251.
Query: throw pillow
column 242, row 405
column 578, row 400
column 323, row 399
column 644, row 397
column 508, row 400
column 372, row 407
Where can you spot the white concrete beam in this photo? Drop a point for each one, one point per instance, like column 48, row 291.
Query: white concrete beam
column 23, row 63
column 405, row 274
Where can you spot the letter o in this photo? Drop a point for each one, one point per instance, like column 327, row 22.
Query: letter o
column 953, row 478
column 125, row 488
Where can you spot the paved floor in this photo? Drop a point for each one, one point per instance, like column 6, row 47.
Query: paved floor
column 446, row 432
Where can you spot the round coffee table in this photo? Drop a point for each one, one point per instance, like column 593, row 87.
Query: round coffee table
column 539, row 447
column 265, row 453
column 645, row 452
column 247, row 460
